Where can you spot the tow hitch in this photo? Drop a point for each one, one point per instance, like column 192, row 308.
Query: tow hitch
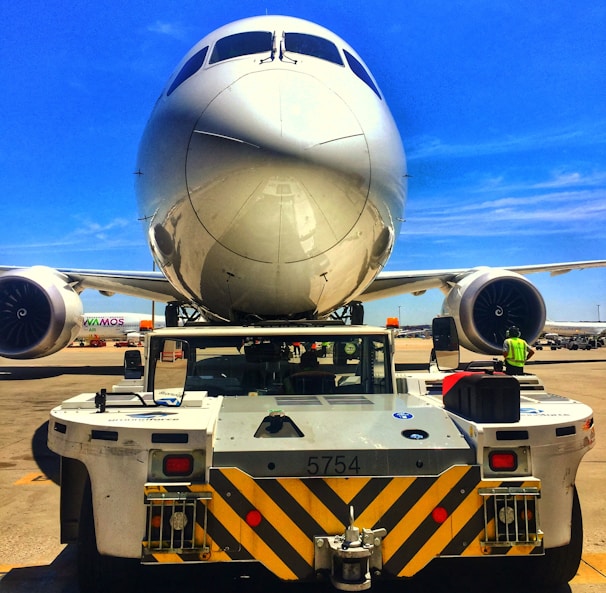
column 350, row 558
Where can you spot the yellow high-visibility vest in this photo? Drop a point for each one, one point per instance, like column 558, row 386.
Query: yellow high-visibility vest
column 516, row 352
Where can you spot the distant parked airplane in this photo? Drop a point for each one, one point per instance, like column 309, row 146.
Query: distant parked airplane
column 575, row 328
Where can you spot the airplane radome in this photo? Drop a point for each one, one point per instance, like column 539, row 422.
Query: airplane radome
column 285, row 168
column 272, row 181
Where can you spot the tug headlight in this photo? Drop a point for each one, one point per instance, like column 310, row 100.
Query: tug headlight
column 507, row 515
column 178, row 520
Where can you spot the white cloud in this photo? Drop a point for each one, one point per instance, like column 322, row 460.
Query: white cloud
column 174, row 30
column 424, row 147
column 568, row 179
column 87, row 236
column 85, row 226
column 574, row 212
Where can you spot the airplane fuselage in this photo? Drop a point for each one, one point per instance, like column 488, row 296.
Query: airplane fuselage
column 271, row 172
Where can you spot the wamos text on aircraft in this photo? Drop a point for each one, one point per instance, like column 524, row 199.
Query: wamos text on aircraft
column 115, row 321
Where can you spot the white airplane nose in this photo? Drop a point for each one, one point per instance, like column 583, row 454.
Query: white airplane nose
column 278, row 154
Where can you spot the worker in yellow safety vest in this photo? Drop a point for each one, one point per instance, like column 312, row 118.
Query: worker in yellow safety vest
column 516, row 352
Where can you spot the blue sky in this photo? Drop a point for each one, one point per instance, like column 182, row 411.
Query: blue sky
column 501, row 107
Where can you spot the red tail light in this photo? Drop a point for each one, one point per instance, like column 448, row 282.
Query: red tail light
column 178, row 465
column 503, row 461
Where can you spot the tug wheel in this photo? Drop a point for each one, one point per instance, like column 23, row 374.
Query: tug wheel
column 531, row 573
column 98, row 573
column 559, row 565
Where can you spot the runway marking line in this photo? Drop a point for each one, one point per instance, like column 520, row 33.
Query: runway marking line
column 591, row 570
column 33, row 478
column 6, row 568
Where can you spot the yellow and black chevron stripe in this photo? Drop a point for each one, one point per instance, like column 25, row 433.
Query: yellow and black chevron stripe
column 294, row 510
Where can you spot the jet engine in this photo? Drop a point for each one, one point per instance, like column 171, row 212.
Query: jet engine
column 487, row 302
column 40, row 312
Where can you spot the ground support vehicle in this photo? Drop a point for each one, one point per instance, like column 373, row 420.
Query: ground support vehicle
column 239, row 451
column 93, row 342
column 580, row 343
column 126, row 344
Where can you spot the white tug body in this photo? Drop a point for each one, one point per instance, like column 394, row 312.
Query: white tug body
column 232, row 447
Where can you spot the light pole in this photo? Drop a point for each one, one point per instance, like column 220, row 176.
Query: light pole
column 598, row 313
column 400, row 307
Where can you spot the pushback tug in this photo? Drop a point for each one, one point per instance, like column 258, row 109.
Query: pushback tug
column 301, row 448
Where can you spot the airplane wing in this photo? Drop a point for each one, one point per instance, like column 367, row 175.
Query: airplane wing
column 147, row 285
column 388, row 284
column 155, row 286
column 150, row 285
column 484, row 301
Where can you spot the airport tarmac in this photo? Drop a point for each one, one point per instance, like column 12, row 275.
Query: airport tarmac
column 31, row 556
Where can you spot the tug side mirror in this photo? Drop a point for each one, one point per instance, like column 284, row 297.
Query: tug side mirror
column 445, row 343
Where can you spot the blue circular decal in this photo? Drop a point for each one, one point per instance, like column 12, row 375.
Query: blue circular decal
column 403, row 415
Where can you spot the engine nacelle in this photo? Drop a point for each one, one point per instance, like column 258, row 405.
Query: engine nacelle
column 40, row 313
column 487, row 302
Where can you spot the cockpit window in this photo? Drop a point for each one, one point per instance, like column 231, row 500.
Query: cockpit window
column 360, row 71
column 189, row 69
column 311, row 45
column 241, row 44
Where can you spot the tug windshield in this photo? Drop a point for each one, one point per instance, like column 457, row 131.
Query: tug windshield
column 284, row 365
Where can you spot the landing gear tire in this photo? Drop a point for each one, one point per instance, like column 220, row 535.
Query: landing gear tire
column 171, row 314
column 98, row 573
